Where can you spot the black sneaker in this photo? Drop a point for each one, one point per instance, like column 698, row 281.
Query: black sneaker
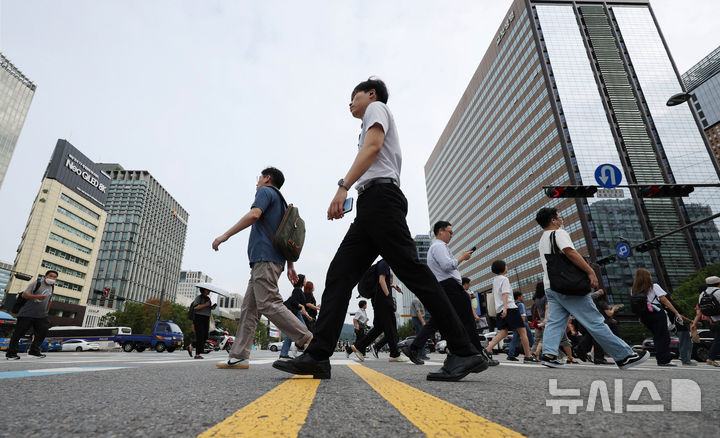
column 551, row 362
column 348, row 351
column 513, row 358
column 530, row 359
column 13, row 357
column 411, row 354
column 491, row 362
column 374, row 350
column 37, row 355
column 632, row 360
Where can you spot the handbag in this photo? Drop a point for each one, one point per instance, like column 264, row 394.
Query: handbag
column 565, row 277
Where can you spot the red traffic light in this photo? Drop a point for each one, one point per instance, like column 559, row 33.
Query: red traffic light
column 570, row 191
column 106, row 292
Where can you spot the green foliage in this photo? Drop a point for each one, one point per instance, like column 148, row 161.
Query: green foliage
column 633, row 332
column 686, row 295
column 406, row 330
column 261, row 336
column 141, row 318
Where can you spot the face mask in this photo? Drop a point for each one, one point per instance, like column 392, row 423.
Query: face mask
column 50, row 281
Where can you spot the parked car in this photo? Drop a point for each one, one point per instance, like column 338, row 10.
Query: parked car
column 429, row 344
column 276, row 346
column 502, row 346
column 699, row 351
column 441, row 346
column 79, row 345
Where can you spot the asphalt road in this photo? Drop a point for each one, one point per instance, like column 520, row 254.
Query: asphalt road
column 103, row 394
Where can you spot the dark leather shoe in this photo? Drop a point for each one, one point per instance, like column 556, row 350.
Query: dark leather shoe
column 305, row 365
column 457, row 367
column 412, row 355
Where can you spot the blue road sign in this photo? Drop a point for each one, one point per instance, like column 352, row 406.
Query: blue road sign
column 608, row 176
column 623, row 250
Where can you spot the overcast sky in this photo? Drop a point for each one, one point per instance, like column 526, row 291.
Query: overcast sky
column 206, row 94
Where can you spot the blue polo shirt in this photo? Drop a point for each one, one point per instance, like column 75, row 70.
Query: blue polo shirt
column 260, row 247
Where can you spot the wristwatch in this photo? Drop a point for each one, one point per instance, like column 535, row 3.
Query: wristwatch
column 342, row 183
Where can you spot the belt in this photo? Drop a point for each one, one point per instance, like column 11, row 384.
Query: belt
column 372, row 182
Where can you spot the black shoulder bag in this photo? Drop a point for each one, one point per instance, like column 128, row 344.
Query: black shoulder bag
column 565, row 277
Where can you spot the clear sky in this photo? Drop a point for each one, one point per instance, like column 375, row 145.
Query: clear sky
column 206, row 94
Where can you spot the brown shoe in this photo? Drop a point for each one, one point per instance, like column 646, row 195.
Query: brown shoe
column 199, row 357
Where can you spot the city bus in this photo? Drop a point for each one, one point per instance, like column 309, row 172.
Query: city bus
column 101, row 335
column 7, row 325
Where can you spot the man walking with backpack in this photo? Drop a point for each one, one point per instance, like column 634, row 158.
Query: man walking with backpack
column 34, row 313
column 709, row 306
column 379, row 228
column 266, row 265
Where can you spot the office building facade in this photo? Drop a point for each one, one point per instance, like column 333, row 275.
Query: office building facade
column 63, row 232
column 404, row 300
column 186, row 290
column 144, row 239
column 16, row 94
column 702, row 81
column 5, row 272
column 564, row 87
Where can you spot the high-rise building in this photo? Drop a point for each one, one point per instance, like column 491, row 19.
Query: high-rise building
column 16, row 93
column 702, row 81
column 564, row 87
column 144, row 239
column 404, row 300
column 63, row 232
column 5, row 272
column 186, row 291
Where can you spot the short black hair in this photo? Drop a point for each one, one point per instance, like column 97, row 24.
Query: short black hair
column 517, row 294
column 545, row 216
column 465, row 280
column 362, row 303
column 277, row 178
column 440, row 225
column 498, row 267
column 301, row 280
column 51, row 271
column 373, row 83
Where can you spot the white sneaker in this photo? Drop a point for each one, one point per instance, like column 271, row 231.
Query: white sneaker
column 235, row 364
column 357, row 352
column 401, row 358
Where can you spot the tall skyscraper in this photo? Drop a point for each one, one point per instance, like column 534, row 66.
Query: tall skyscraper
column 702, row 81
column 16, row 93
column 144, row 239
column 564, row 87
column 63, row 232
column 186, row 290
column 404, row 300
column 5, row 272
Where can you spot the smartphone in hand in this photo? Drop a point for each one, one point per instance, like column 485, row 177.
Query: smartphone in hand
column 473, row 249
column 348, row 206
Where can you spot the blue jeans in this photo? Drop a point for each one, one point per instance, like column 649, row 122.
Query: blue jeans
column 417, row 326
column 582, row 309
column 288, row 342
column 516, row 340
column 684, row 346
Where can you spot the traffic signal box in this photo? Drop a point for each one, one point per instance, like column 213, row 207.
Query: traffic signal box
column 571, row 191
column 665, row 190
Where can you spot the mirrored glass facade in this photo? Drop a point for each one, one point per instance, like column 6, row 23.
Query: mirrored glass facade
column 16, row 93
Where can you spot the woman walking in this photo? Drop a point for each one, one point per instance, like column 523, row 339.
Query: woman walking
column 655, row 319
column 201, row 321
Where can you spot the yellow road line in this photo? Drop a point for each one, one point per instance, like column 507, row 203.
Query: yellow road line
column 281, row 412
column 433, row 416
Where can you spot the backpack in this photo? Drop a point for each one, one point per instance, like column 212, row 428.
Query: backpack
column 20, row 301
column 638, row 304
column 368, row 282
column 191, row 312
column 290, row 234
column 708, row 304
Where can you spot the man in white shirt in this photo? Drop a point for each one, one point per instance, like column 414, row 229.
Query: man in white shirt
column 360, row 320
column 582, row 308
column 379, row 228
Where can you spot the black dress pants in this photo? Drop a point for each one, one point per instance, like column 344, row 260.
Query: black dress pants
column 656, row 322
column 461, row 303
column 202, row 326
column 380, row 228
column 40, row 328
column 383, row 322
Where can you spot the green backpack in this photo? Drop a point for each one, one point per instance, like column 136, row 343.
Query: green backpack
column 290, row 235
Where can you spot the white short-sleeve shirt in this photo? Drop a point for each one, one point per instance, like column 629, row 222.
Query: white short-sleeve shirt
column 563, row 240
column 388, row 162
column 501, row 286
column 654, row 294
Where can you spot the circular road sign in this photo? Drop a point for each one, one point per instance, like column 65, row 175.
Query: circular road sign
column 623, row 250
column 608, row 176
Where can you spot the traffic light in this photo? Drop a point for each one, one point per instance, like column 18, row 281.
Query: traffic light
column 665, row 190
column 645, row 247
column 571, row 191
column 607, row 260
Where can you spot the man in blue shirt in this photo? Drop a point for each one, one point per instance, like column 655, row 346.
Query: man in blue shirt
column 266, row 265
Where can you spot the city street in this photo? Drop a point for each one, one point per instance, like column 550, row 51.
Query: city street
column 148, row 394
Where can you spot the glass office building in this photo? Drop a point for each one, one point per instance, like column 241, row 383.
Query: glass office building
column 564, row 87
column 16, row 93
column 5, row 271
column 186, row 290
column 144, row 239
column 702, row 81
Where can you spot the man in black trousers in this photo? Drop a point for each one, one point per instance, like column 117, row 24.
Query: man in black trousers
column 380, row 228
